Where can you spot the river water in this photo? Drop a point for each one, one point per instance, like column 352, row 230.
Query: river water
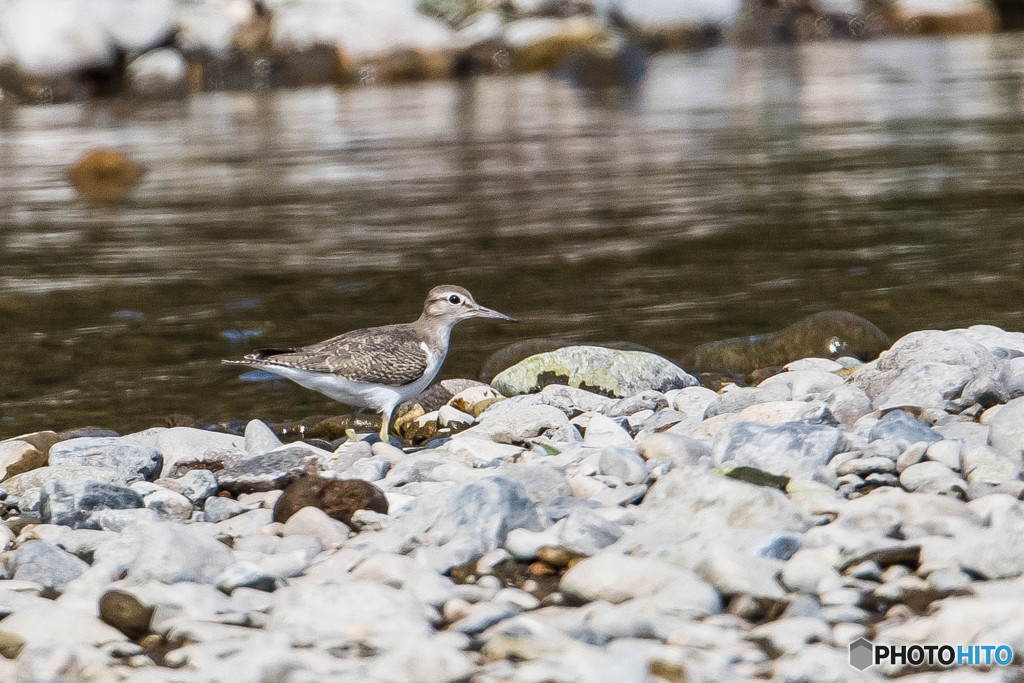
column 738, row 191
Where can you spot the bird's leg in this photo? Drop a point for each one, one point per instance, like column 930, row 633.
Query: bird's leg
column 351, row 431
column 385, row 422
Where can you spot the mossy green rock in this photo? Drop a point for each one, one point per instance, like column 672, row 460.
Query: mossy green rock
column 604, row 371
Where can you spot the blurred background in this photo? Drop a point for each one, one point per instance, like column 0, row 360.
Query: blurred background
column 185, row 180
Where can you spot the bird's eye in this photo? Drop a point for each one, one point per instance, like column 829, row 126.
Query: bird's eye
column 454, row 299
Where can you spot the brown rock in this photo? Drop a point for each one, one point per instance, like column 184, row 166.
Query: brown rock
column 829, row 334
column 17, row 456
column 41, row 440
column 339, row 498
column 105, row 175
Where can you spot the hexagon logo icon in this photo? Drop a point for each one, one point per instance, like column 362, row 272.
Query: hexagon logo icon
column 862, row 654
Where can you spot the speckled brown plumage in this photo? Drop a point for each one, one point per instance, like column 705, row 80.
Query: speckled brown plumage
column 339, row 498
column 389, row 355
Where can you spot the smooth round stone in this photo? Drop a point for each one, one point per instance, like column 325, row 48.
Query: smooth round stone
column 932, row 477
column 46, row 564
column 692, row 401
column 862, row 467
column 623, row 463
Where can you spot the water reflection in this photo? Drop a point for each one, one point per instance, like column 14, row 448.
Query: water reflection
column 742, row 190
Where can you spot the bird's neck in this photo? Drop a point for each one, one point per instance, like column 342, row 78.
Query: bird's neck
column 437, row 330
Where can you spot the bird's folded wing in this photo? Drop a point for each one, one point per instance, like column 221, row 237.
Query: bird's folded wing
column 378, row 356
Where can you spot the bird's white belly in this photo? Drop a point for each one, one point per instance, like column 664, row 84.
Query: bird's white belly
column 363, row 394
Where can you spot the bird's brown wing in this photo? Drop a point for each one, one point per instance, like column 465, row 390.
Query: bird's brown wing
column 389, row 355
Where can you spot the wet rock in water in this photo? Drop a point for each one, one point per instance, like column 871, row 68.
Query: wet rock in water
column 518, row 351
column 134, row 459
column 267, row 472
column 105, row 175
column 339, row 498
column 543, row 43
column 830, row 334
column 71, row 503
column 605, row 371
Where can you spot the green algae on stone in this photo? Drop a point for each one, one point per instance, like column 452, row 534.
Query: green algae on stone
column 509, row 355
column 829, row 334
column 609, row 372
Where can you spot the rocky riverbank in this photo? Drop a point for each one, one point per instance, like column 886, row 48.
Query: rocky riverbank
column 71, row 50
column 563, row 535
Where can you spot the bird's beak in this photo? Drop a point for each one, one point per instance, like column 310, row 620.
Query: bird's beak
column 482, row 312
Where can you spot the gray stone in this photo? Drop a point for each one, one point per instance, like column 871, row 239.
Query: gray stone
column 169, row 553
column 1011, row 377
column 515, row 426
column 71, row 503
column 431, row 660
column 791, row 634
column 52, row 624
column 953, row 348
column 219, row 509
column 82, row 543
column 373, row 468
column 245, row 575
column 46, row 564
column 270, row 471
column 617, row 578
column 623, row 463
column 679, row 450
column 573, row 401
column 169, row 504
column 20, row 483
column 482, row 616
column 602, row 431
column 198, row 485
column 587, row 532
column 259, row 438
column 136, row 460
column 185, row 448
column 119, row 520
column 984, row 465
column 862, row 467
column 788, row 449
column 541, row 481
column 645, row 400
column 1006, row 430
column 356, row 612
column 476, row 521
column 925, row 385
column 902, row 429
column 709, row 501
column 608, row 371
column 847, row 403
column 993, row 553
column 947, row 452
column 933, row 477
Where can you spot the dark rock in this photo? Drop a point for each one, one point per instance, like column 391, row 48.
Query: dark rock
column 274, row 470
column 71, row 503
column 829, row 334
column 46, row 564
column 339, row 498
column 136, row 460
column 903, row 429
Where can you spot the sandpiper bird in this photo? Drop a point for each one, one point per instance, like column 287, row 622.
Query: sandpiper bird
column 378, row 367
